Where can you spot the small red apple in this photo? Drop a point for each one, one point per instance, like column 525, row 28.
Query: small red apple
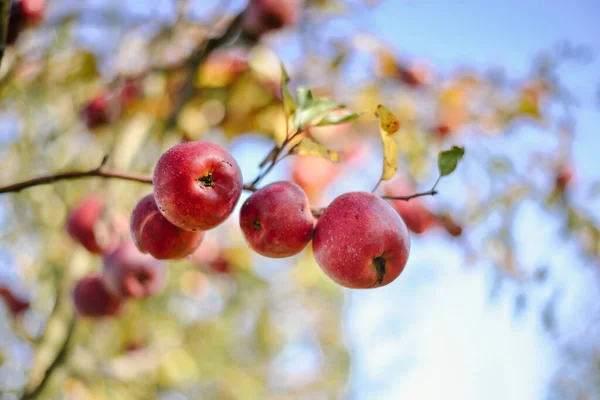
column 416, row 216
column 152, row 233
column 197, row 185
column 93, row 299
column 15, row 304
column 276, row 220
column 360, row 241
column 262, row 16
column 82, row 221
column 22, row 14
column 96, row 113
column 129, row 273
column 563, row 177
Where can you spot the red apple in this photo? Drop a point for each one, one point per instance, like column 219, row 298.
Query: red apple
column 15, row 304
column 197, row 185
column 93, row 299
column 23, row 13
column 416, row 216
column 153, row 234
column 97, row 112
column 417, row 73
column 129, row 273
column 262, row 16
column 360, row 241
column 82, row 221
column 563, row 177
column 276, row 220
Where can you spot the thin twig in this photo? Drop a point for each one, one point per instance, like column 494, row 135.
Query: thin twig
column 71, row 175
column 431, row 192
column 61, row 357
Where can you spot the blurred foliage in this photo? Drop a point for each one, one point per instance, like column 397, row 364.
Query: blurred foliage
column 224, row 328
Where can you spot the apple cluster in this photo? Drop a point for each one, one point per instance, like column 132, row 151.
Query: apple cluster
column 359, row 240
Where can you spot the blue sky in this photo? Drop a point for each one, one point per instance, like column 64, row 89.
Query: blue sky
column 435, row 333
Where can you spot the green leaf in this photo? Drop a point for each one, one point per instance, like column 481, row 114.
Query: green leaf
column 336, row 119
column 314, row 109
column 448, row 160
column 304, row 96
column 388, row 125
column 309, row 147
column 289, row 106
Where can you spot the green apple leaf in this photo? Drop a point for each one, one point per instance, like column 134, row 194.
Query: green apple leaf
column 448, row 160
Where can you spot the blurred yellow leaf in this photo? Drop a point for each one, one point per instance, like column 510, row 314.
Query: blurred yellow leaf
column 308, row 147
column 388, row 125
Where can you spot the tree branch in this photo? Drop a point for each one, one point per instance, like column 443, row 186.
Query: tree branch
column 71, row 175
column 61, row 357
column 4, row 21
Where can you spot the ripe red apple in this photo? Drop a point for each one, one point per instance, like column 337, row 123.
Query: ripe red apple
column 15, row 304
column 153, row 234
column 417, row 73
column 129, row 273
column 276, row 220
column 563, row 177
column 360, row 241
column 96, row 113
column 23, row 13
column 93, row 299
column 416, row 216
column 197, row 185
column 81, row 223
column 262, row 16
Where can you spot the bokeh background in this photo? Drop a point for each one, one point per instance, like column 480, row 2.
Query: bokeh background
column 505, row 308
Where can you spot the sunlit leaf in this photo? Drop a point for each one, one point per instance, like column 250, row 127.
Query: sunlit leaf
column 309, row 147
column 312, row 111
column 388, row 125
column 339, row 118
column 448, row 160
column 304, row 96
column 289, row 106
column 388, row 122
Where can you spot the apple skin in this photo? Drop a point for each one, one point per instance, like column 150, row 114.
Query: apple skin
column 96, row 113
column 416, row 216
column 276, row 220
column 129, row 273
column 262, row 16
column 93, row 299
column 360, row 241
column 15, row 304
column 152, row 233
column 81, row 221
column 197, row 185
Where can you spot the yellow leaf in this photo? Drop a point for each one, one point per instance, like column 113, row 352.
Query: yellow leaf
column 390, row 156
column 388, row 125
column 388, row 122
column 308, row 147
